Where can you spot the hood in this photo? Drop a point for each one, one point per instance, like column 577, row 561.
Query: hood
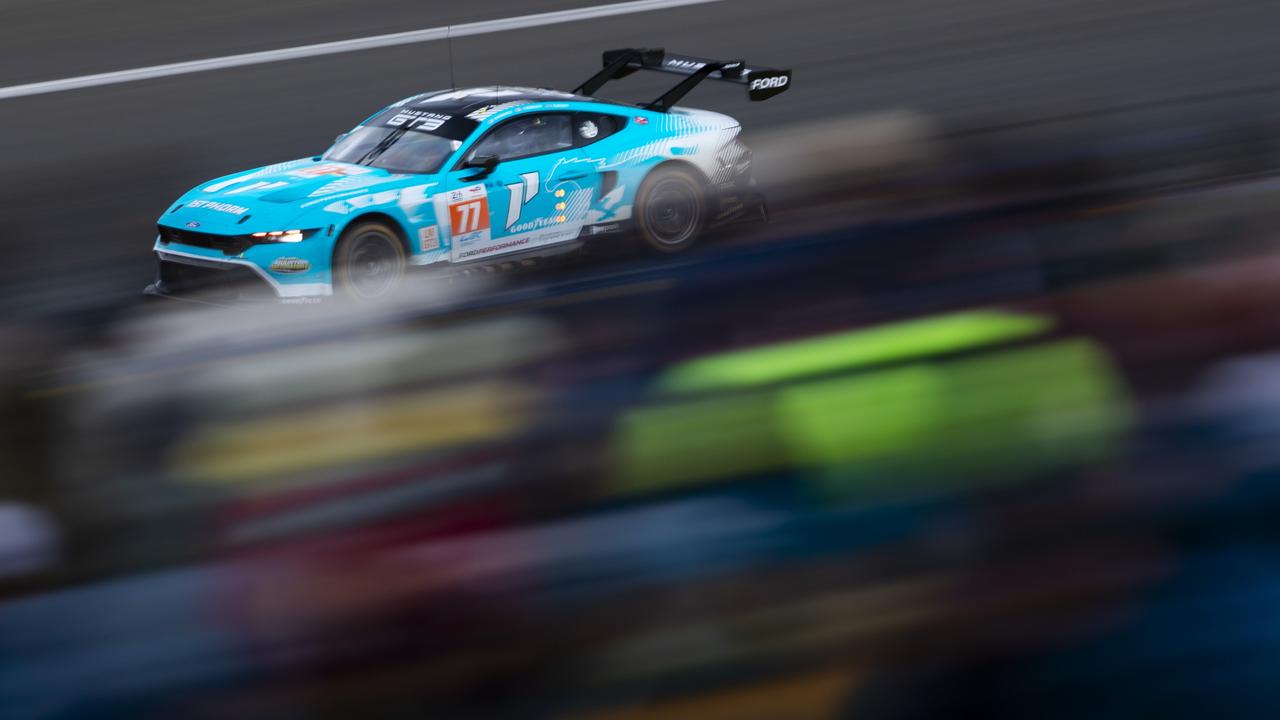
column 275, row 196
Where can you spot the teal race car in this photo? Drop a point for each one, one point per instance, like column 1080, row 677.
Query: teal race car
column 483, row 175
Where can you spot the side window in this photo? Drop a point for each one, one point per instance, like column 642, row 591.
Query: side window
column 528, row 135
column 593, row 127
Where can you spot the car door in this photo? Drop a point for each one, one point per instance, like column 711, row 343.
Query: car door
column 538, row 194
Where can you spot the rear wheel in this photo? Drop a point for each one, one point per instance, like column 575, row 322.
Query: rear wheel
column 671, row 210
column 368, row 262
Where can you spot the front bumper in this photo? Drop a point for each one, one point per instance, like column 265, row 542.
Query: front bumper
column 281, row 272
column 207, row 281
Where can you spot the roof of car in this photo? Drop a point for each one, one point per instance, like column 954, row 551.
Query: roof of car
column 475, row 103
column 456, row 113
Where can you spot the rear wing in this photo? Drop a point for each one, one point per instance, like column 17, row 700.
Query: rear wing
column 762, row 83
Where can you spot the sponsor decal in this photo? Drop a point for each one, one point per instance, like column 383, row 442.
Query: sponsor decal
column 419, row 120
column 290, row 265
column 469, row 214
column 495, row 248
column 641, row 120
column 607, row 228
column 218, row 207
column 539, row 224
column 521, row 193
column 770, row 83
column 588, row 130
column 489, row 110
column 684, row 64
column 193, row 224
column 322, row 170
column 764, row 84
column 429, row 238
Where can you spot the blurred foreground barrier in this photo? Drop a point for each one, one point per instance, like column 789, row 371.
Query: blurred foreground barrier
column 951, row 397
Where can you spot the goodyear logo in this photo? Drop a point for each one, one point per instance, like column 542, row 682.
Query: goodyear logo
column 288, row 265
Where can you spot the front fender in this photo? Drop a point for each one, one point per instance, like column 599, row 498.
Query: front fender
column 410, row 208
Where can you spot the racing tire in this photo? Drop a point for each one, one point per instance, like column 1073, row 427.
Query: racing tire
column 671, row 210
column 368, row 262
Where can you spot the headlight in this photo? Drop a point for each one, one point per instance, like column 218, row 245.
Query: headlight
column 284, row 236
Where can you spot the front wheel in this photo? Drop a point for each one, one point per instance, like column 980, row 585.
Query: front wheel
column 368, row 262
column 671, row 210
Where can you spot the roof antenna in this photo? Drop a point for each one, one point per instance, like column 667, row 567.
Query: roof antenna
column 448, row 38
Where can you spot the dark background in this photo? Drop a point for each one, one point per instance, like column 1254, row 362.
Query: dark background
column 87, row 171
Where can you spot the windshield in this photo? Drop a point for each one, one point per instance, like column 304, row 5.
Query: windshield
column 393, row 149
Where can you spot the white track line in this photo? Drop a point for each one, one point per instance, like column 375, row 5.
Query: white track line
column 344, row 46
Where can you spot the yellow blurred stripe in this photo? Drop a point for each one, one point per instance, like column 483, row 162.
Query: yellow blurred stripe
column 354, row 431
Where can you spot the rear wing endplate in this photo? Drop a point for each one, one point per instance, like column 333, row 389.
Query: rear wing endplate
column 762, row 83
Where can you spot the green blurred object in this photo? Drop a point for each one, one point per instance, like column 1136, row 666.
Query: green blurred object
column 852, row 350
column 699, row 439
column 989, row 419
column 924, row 424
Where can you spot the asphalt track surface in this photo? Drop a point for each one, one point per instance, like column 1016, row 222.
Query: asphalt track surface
column 87, row 171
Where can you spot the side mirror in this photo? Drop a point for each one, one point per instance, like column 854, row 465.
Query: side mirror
column 339, row 138
column 484, row 164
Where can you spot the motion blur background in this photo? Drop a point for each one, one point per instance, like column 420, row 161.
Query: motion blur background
column 984, row 423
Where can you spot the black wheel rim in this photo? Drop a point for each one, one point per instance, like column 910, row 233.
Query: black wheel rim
column 672, row 212
column 373, row 267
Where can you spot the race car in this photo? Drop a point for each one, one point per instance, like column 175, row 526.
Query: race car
column 472, row 176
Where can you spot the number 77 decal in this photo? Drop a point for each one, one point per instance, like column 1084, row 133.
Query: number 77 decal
column 467, row 216
column 521, row 193
column 468, row 211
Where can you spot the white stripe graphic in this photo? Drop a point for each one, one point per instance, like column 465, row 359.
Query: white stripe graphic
column 343, row 46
